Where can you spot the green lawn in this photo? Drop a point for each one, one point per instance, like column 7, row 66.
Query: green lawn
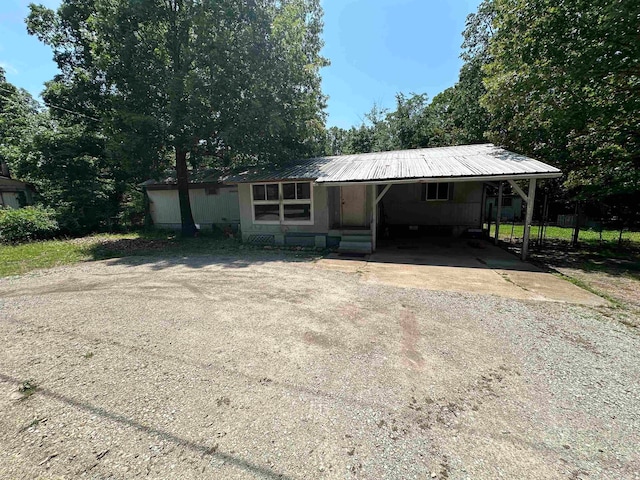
column 19, row 259
column 561, row 233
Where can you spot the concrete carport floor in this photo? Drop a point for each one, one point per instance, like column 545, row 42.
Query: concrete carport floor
column 460, row 265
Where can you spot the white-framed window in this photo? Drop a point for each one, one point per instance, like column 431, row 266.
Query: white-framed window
column 289, row 203
column 432, row 192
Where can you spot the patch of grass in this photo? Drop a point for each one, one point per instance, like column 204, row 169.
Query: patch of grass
column 27, row 388
column 20, row 259
column 34, row 423
column 609, row 237
column 88, row 355
column 584, row 285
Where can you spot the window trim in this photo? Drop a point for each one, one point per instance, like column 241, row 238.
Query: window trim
column 426, row 192
column 281, row 202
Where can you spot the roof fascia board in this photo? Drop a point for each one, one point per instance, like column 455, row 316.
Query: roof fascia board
column 446, row 179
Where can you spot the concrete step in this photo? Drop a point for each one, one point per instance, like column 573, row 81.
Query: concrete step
column 337, row 232
column 356, row 238
column 355, row 247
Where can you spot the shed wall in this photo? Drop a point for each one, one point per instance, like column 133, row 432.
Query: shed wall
column 9, row 200
column 208, row 210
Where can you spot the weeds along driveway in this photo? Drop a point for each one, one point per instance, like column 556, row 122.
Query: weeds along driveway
column 208, row 367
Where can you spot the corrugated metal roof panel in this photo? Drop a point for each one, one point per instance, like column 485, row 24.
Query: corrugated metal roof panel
column 463, row 161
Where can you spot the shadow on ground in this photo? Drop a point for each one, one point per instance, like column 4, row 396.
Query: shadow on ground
column 196, row 253
column 150, row 430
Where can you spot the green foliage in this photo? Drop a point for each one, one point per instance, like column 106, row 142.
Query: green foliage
column 229, row 80
column 27, row 388
column 26, row 224
column 563, row 84
column 19, row 117
column 19, row 259
column 132, row 209
column 71, row 173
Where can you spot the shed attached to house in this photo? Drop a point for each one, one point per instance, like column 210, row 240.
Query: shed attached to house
column 14, row 193
column 213, row 204
column 348, row 201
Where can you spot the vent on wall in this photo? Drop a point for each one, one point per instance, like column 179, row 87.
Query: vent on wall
column 211, row 190
column 261, row 240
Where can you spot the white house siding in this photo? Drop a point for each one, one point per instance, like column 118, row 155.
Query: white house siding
column 284, row 234
column 208, row 209
column 403, row 205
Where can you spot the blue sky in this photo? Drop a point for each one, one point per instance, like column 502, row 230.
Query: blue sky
column 377, row 48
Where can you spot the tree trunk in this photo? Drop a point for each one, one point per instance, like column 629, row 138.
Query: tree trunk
column 576, row 230
column 188, row 225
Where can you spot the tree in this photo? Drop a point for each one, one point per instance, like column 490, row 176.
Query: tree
column 563, row 83
column 234, row 80
column 69, row 168
column 19, row 116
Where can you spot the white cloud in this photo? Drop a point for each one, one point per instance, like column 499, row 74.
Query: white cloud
column 9, row 68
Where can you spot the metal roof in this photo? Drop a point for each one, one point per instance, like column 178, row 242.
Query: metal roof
column 464, row 162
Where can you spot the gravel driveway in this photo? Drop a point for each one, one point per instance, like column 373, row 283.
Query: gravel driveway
column 209, row 367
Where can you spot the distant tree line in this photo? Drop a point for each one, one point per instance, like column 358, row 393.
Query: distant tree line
column 153, row 85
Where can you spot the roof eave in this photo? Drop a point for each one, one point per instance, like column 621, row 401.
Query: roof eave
column 478, row 178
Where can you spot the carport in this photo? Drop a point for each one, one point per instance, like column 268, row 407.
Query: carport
column 436, row 187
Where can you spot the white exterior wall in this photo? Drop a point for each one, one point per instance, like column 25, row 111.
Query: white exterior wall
column 220, row 208
column 403, row 205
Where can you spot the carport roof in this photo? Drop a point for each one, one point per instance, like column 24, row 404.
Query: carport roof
column 464, row 162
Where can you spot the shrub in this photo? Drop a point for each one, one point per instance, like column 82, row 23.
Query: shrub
column 26, row 224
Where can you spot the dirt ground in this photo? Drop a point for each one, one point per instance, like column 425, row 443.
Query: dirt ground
column 211, row 367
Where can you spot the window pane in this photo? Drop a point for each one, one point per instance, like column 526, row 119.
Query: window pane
column 289, row 191
column 267, row 213
column 304, row 191
column 258, row 192
column 443, row 191
column 432, row 191
column 272, row 191
column 298, row 212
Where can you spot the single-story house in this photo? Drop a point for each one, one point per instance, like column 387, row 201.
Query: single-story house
column 213, row 204
column 344, row 201
column 14, row 193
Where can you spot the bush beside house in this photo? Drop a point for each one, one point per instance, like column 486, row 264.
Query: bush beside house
column 26, row 224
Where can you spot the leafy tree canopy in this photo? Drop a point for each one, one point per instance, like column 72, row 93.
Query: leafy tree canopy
column 563, row 83
column 237, row 81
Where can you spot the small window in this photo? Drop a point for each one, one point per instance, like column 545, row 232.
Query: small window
column 272, row 191
column 297, row 212
column 303, row 191
column 507, row 201
column 267, row 213
column 267, row 191
column 259, row 192
column 436, row 191
column 296, row 191
column 289, row 191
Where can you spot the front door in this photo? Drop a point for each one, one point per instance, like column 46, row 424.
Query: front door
column 354, row 205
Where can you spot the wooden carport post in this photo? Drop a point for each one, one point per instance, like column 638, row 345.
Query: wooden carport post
column 374, row 218
column 499, row 213
column 530, row 199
